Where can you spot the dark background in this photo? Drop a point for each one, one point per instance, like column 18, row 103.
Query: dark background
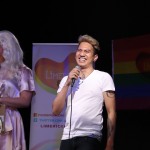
column 62, row 22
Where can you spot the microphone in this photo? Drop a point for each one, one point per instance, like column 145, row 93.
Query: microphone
column 73, row 79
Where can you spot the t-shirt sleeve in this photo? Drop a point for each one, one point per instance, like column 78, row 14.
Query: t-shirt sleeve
column 61, row 84
column 108, row 83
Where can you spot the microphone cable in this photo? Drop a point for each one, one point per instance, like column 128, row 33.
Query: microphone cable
column 70, row 112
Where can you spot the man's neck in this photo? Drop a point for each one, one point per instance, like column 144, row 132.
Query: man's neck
column 86, row 72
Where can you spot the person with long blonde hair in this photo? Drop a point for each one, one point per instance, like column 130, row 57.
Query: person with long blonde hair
column 16, row 91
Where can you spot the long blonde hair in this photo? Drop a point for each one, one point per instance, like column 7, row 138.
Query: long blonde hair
column 12, row 52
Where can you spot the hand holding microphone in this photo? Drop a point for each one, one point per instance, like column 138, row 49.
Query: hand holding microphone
column 77, row 74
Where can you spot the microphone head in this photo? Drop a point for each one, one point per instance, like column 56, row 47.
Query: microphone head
column 78, row 67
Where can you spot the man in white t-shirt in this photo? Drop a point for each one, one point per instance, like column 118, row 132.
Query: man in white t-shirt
column 84, row 92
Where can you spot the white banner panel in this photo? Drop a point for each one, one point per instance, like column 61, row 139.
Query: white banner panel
column 51, row 61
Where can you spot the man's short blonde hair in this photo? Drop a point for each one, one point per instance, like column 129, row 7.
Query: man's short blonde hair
column 91, row 40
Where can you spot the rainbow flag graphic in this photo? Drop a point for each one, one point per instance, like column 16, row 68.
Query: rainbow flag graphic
column 132, row 72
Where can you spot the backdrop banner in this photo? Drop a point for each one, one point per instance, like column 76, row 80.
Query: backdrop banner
column 50, row 62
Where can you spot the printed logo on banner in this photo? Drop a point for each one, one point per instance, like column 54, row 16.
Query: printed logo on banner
column 48, row 73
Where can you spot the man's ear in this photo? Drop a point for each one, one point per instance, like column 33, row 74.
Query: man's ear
column 95, row 58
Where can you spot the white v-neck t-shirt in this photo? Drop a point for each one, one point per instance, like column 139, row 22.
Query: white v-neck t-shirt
column 87, row 105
